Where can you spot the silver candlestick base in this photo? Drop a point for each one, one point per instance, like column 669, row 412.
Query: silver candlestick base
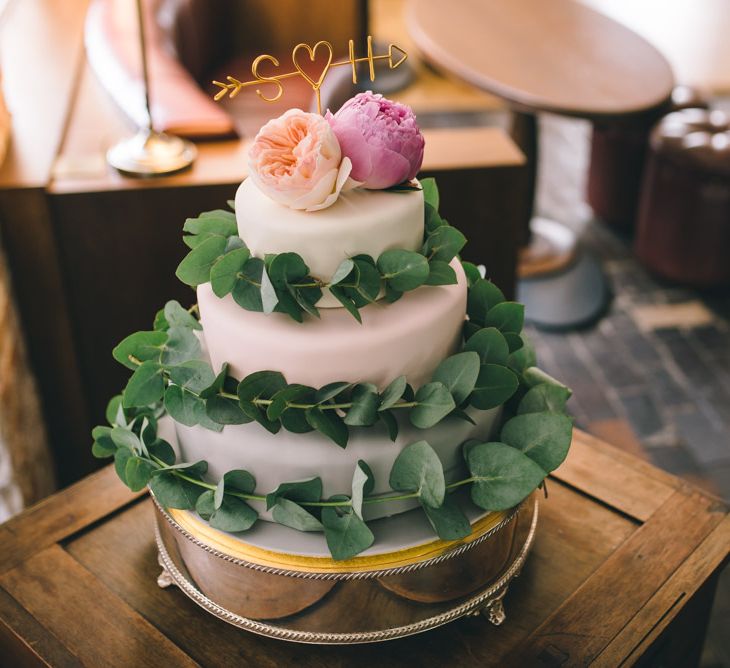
column 150, row 153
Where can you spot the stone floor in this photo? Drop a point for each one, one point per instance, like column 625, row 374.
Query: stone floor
column 653, row 376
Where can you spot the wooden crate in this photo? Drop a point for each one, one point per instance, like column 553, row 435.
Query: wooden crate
column 623, row 570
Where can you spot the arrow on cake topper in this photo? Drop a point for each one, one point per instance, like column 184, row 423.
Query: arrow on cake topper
column 395, row 57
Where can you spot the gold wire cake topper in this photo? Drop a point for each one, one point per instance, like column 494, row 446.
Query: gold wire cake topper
column 234, row 86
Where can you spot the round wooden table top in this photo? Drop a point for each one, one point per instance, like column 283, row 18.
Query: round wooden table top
column 558, row 56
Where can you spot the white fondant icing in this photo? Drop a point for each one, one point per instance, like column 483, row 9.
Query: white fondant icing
column 287, row 457
column 410, row 337
column 359, row 222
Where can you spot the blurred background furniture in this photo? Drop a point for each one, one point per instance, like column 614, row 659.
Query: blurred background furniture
column 610, row 579
column 618, row 154
column 684, row 218
column 93, row 253
column 527, row 52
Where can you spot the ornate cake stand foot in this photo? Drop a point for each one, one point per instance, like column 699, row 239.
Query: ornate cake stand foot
column 495, row 612
column 164, row 579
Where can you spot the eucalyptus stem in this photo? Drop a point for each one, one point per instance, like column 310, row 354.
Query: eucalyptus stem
column 309, row 504
column 267, row 402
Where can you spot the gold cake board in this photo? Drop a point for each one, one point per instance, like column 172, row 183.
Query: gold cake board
column 367, row 599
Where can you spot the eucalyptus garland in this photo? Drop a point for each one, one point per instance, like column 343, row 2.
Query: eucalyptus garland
column 283, row 283
column 167, row 366
column 502, row 473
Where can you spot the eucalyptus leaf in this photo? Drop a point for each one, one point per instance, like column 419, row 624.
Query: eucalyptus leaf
column 260, row 385
column 125, row 438
column 342, row 272
column 364, row 409
column 495, row 384
column 418, row 469
column 545, row 397
column 205, row 505
column 225, row 411
column 514, row 341
column 162, row 450
column 225, row 270
column 391, row 424
column 328, row 423
column 222, row 223
column 145, row 386
column 292, row 515
column 234, row 515
column 503, row 476
column 330, row 391
column 363, row 483
column 121, row 457
column 269, row 298
column 440, row 273
column 523, row 358
column 144, row 346
column 472, row 273
column 287, row 268
column 138, row 472
column 448, row 520
column 430, row 192
column 300, row 491
column 490, row 344
column 174, row 492
column 247, row 290
column 193, row 375
column 113, row 408
column 195, row 267
column 482, row 297
column 234, row 242
column 444, row 244
column 543, row 437
column 346, row 534
column 392, row 394
column 295, row 421
column 290, row 394
column 342, row 295
column 391, row 294
column 182, row 345
column 177, row 316
column 402, row 269
column 535, row 376
column 506, row 317
column 434, row 402
column 183, row 406
column 459, row 374
column 217, row 385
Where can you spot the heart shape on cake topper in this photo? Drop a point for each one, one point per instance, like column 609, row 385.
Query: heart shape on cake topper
column 312, row 51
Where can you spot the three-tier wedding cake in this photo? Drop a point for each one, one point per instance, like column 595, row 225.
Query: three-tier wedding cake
column 343, row 375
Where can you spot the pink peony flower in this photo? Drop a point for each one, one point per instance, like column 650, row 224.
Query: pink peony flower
column 296, row 160
column 381, row 138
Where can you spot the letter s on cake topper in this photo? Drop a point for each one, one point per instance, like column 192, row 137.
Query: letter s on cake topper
column 395, row 57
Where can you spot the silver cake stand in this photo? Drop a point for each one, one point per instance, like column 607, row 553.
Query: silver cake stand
column 356, row 602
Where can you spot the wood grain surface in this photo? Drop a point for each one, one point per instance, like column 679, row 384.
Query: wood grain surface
column 608, row 582
column 557, row 56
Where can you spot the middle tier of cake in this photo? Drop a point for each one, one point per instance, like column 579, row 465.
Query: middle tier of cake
column 410, row 337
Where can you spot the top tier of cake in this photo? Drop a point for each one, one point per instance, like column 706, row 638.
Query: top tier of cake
column 360, row 222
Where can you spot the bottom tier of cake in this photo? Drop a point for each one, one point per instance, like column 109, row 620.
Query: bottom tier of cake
column 269, row 582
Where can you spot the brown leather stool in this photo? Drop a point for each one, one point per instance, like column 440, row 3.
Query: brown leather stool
column 618, row 154
column 684, row 215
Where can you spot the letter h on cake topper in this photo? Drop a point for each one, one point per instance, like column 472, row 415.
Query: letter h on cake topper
column 395, row 57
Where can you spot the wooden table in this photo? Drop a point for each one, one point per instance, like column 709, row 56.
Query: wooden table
column 623, row 570
column 560, row 57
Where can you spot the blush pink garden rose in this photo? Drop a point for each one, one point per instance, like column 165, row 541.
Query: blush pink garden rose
column 296, row 160
column 381, row 138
